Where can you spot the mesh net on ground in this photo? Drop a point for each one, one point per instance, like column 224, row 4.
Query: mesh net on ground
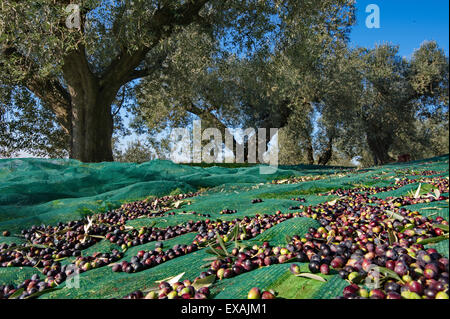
column 34, row 192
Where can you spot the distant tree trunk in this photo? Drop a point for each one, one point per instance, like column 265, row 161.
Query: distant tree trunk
column 327, row 154
column 379, row 148
column 379, row 139
column 309, row 151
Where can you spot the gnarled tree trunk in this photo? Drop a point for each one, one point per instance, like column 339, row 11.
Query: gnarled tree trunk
column 92, row 130
column 92, row 122
column 327, row 154
column 80, row 99
column 309, row 151
column 379, row 148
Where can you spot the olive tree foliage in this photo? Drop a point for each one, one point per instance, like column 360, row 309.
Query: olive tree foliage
column 28, row 128
column 191, row 83
column 402, row 93
column 279, row 63
column 78, row 74
column 136, row 151
column 270, row 83
column 284, row 91
column 339, row 133
column 386, row 105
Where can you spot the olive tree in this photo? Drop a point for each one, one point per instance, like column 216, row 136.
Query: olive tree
column 77, row 72
column 268, row 85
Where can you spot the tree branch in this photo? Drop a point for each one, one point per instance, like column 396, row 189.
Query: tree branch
column 49, row 90
column 137, row 74
column 123, row 68
column 206, row 115
column 121, row 103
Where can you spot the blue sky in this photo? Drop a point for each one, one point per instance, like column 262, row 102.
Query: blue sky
column 404, row 22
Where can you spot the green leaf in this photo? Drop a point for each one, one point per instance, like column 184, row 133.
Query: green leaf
column 441, row 226
column 408, row 226
column 395, row 215
column 172, row 280
column 97, row 236
column 388, row 273
column 293, row 259
column 392, row 237
column 311, row 276
column 209, row 259
column 212, row 250
column 332, row 203
column 417, row 193
column 40, row 293
column 288, row 239
column 235, row 235
column 427, row 188
column 423, row 189
column 432, row 240
column 204, row 282
column 17, row 293
column 178, row 204
column 437, row 193
column 222, row 243
column 41, row 246
column 236, row 231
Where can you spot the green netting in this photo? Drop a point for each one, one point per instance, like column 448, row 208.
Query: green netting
column 328, row 290
column 292, row 287
column 104, row 283
column 36, row 191
column 191, row 264
column 277, row 234
column 11, row 239
column 275, row 277
column 442, row 247
column 431, row 209
column 239, row 286
column 14, row 276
